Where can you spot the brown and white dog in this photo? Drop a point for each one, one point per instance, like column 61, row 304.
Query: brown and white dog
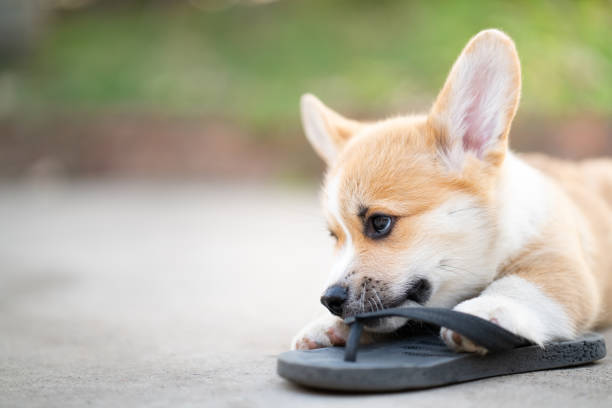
column 435, row 210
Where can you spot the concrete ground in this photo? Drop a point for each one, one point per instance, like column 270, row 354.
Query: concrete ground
column 123, row 294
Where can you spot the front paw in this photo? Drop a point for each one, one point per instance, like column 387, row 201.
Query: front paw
column 460, row 343
column 519, row 307
column 326, row 331
column 485, row 309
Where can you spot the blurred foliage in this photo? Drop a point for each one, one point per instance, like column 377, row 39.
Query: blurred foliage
column 249, row 64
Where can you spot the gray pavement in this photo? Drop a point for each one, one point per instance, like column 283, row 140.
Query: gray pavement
column 132, row 294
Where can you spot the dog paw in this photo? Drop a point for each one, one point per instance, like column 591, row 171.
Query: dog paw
column 493, row 313
column 326, row 331
column 460, row 343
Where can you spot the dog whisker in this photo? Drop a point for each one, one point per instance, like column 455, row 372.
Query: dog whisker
column 449, row 269
column 463, row 209
column 378, row 299
column 362, row 301
column 453, row 268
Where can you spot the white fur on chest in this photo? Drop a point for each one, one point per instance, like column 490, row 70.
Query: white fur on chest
column 524, row 201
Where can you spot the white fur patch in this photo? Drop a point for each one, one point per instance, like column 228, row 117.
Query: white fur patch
column 522, row 308
column 347, row 252
column 524, row 201
column 453, row 251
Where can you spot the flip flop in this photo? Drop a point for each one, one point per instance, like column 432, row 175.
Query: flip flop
column 423, row 360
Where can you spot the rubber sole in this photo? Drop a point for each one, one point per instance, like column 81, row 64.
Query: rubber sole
column 424, row 362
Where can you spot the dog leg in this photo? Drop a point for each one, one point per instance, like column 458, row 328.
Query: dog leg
column 520, row 306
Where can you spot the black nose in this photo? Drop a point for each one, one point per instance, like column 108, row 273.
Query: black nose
column 334, row 299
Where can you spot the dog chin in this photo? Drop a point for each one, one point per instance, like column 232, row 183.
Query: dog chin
column 390, row 324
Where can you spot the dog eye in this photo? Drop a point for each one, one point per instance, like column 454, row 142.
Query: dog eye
column 379, row 226
column 333, row 235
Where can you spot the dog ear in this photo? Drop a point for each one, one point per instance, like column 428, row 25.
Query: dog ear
column 326, row 130
column 476, row 106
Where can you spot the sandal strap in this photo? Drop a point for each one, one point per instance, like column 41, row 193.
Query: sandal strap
column 480, row 331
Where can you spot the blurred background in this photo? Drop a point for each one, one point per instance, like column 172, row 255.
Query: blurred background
column 160, row 236
column 209, row 88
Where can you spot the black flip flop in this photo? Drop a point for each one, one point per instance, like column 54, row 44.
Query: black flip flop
column 423, row 361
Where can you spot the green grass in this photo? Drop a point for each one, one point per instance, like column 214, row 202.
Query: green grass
column 250, row 64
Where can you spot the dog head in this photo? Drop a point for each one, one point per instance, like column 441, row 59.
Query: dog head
column 411, row 201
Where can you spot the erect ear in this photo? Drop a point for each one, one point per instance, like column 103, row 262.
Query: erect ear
column 475, row 108
column 326, row 130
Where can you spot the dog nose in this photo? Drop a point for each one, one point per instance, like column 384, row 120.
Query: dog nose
column 334, row 299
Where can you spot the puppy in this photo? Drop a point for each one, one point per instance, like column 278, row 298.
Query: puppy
column 435, row 210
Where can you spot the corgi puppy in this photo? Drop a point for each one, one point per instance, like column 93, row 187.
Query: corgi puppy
column 435, row 210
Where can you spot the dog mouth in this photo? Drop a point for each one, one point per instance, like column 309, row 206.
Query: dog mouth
column 418, row 293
